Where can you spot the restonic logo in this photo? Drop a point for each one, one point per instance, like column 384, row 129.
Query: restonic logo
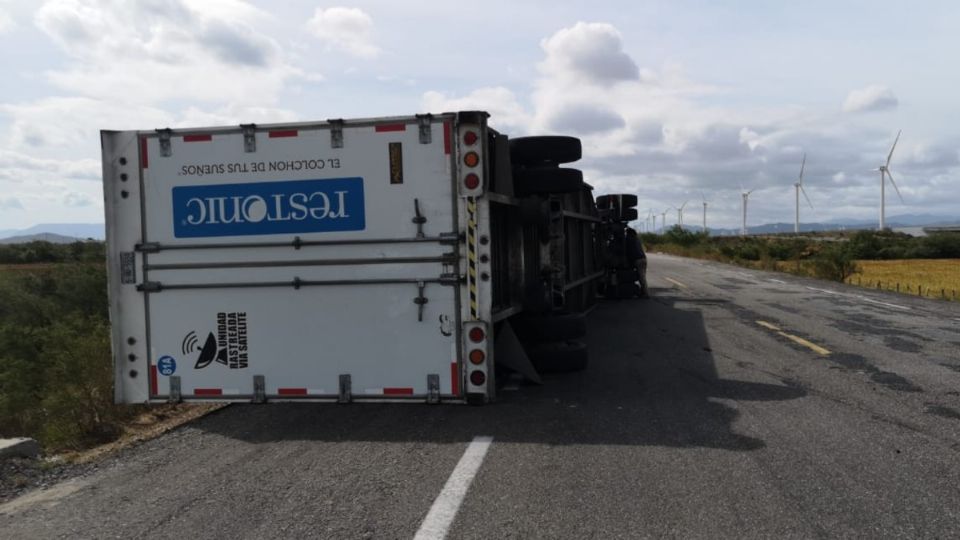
column 277, row 207
column 281, row 207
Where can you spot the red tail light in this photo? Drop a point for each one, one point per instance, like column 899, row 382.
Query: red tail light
column 478, row 378
column 476, row 335
column 472, row 181
column 471, row 159
column 470, row 138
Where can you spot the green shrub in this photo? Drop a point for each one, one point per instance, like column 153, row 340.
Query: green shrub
column 943, row 245
column 834, row 262
column 56, row 374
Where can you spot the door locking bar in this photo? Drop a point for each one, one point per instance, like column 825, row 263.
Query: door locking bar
column 418, row 219
column 297, row 243
column 420, row 300
column 295, row 283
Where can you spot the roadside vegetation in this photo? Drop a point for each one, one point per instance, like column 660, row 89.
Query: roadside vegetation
column 929, row 266
column 56, row 375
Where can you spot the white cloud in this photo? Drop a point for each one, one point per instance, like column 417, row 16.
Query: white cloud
column 25, row 169
column 872, row 98
column 506, row 112
column 6, row 22
column 75, row 199
column 588, row 52
column 666, row 137
column 583, row 119
column 153, row 51
column 67, row 128
column 344, row 29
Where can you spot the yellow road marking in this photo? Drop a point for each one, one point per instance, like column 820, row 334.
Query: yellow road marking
column 796, row 339
column 675, row 282
column 765, row 324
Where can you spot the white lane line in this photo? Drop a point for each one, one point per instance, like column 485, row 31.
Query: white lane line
column 861, row 297
column 824, row 291
column 777, row 281
column 437, row 523
column 865, row 299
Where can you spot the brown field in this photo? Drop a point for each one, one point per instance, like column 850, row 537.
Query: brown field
column 935, row 278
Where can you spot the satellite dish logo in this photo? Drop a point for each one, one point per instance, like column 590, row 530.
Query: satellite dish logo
column 208, row 352
column 228, row 346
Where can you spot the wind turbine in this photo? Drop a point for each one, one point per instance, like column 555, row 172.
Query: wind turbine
column 798, row 187
column 663, row 220
column 704, row 197
column 680, row 214
column 745, row 195
column 884, row 174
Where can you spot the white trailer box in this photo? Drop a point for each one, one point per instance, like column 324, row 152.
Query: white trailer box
column 341, row 260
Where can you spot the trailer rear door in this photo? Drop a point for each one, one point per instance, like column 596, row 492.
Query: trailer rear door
column 289, row 262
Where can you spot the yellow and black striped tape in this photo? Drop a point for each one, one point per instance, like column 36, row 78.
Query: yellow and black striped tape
column 472, row 256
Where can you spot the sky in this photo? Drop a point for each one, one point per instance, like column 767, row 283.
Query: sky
column 674, row 100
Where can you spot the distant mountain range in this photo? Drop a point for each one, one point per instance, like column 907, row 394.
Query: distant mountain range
column 41, row 237
column 55, row 232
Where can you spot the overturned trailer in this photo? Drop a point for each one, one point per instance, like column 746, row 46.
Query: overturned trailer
column 400, row 258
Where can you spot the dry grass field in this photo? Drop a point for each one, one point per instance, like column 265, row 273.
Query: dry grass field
column 935, row 278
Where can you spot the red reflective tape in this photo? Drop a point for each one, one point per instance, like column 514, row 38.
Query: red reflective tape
column 391, row 127
column 197, row 138
column 143, row 152
column 283, row 133
column 292, row 391
column 398, row 391
column 447, row 139
column 153, row 380
column 454, row 379
column 207, row 391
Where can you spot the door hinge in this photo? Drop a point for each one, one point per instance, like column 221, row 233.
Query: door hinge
column 150, row 286
column 166, row 150
column 336, row 133
column 259, row 389
column 425, row 122
column 147, row 247
column 433, row 388
column 346, row 392
column 249, row 137
column 174, row 396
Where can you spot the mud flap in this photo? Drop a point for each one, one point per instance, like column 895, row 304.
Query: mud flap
column 509, row 352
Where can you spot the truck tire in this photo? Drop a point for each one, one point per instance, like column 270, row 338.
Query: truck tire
column 532, row 151
column 553, row 327
column 625, row 200
column 559, row 357
column 628, row 214
column 546, row 181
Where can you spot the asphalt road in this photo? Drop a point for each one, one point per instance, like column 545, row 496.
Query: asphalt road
column 733, row 403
